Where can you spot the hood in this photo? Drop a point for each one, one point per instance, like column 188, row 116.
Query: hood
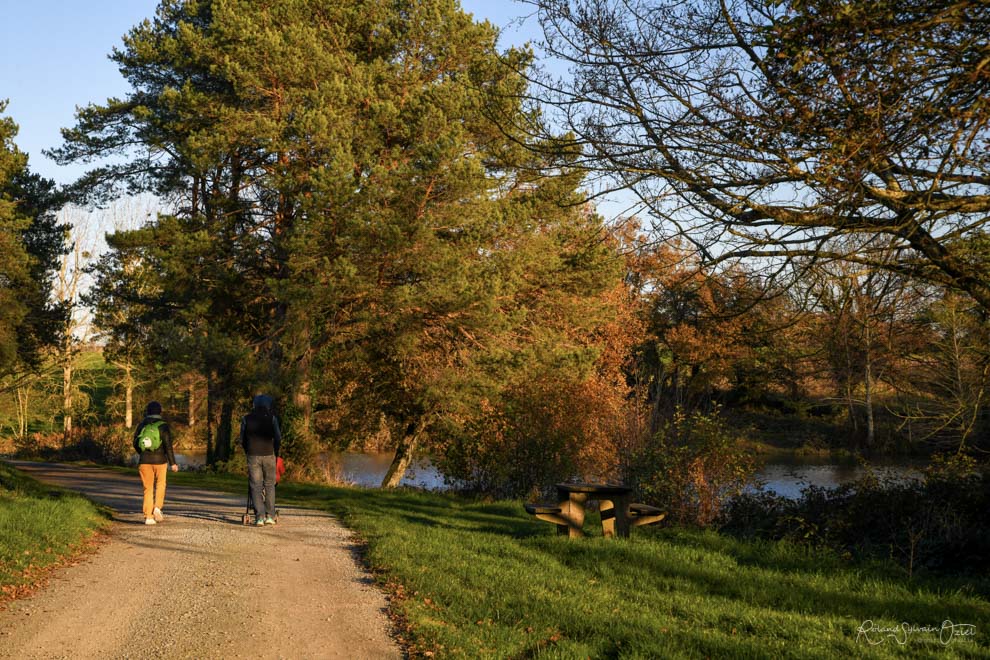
column 263, row 401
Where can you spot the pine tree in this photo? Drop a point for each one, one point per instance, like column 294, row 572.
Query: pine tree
column 31, row 242
column 351, row 230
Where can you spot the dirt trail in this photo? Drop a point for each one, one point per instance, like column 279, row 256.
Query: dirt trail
column 200, row 585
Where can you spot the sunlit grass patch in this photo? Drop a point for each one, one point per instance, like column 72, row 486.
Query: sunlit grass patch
column 39, row 525
column 476, row 579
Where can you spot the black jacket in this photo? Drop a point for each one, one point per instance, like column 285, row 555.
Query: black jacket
column 164, row 453
column 260, row 434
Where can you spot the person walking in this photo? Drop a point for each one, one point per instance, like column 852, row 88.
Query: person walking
column 153, row 443
column 261, row 438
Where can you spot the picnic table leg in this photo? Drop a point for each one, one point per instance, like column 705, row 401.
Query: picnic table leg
column 607, row 510
column 622, row 525
column 615, row 516
column 572, row 508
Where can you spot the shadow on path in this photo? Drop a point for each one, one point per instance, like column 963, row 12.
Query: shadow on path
column 122, row 492
column 209, row 576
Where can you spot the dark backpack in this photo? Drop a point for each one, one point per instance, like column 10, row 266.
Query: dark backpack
column 150, row 438
column 259, row 424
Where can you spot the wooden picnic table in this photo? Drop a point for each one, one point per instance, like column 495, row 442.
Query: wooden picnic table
column 618, row 512
column 613, row 504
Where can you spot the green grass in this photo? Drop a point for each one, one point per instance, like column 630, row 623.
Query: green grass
column 485, row 580
column 39, row 525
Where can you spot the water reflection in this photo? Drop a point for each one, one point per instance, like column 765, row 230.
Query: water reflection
column 365, row 470
column 369, row 470
column 784, row 476
column 789, row 480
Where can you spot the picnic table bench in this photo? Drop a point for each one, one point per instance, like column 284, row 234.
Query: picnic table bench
column 618, row 512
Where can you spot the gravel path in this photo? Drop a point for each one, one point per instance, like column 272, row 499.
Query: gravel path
column 200, row 584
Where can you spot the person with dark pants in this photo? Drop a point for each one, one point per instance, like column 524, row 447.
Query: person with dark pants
column 153, row 443
column 260, row 438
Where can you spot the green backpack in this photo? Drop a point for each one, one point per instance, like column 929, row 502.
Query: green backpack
column 149, row 439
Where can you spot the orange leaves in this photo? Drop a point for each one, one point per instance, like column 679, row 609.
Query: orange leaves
column 690, row 467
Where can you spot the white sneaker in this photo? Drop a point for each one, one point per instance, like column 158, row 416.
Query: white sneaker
column 150, row 521
column 159, row 516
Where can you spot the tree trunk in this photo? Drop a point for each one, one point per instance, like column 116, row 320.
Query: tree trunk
column 23, row 395
column 128, row 395
column 403, row 455
column 223, row 448
column 67, row 397
column 851, row 405
column 848, row 377
column 192, row 403
column 868, row 397
column 210, row 396
column 870, row 425
column 195, row 196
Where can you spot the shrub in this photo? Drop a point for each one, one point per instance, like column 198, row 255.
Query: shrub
column 691, row 467
column 110, row 445
column 937, row 523
column 543, row 431
column 37, row 445
column 509, row 453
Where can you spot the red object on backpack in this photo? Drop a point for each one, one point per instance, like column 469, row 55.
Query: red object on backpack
column 279, row 468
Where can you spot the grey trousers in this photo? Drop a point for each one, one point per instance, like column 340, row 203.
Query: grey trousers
column 261, row 476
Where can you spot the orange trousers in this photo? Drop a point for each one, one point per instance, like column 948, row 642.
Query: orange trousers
column 153, row 480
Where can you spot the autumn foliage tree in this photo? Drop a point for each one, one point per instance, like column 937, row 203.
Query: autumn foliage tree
column 707, row 331
column 561, row 404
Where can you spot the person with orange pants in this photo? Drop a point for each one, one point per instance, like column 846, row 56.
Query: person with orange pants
column 153, row 443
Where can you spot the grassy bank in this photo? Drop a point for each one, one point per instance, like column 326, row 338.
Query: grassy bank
column 39, row 526
column 476, row 579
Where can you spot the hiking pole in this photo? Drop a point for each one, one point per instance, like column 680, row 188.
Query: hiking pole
column 246, row 518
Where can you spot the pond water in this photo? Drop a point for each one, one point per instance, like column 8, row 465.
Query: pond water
column 369, row 470
column 786, row 476
column 366, row 470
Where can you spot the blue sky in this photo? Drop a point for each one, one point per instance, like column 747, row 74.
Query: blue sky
column 53, row 57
